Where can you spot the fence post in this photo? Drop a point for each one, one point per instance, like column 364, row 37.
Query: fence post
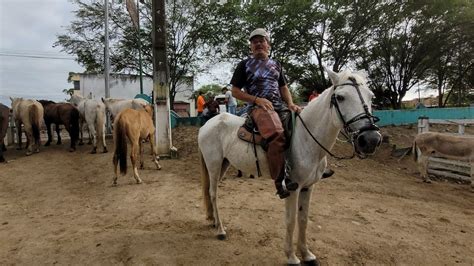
column 423, row 124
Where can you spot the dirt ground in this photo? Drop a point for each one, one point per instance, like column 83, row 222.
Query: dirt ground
column 58, row 207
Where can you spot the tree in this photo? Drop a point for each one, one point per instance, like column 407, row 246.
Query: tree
column 187, row 29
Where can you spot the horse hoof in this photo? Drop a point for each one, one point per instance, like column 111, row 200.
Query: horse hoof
column 72, row 149
column 46, row 144
column 58, row 143
column 28, row 153
column 81, row 143
column 427, row 181
column 105, row 150
column 221, row 236
column 239, row 173
column 93, row 152
column 18, row 148
column 252, row 176
column 314, row 262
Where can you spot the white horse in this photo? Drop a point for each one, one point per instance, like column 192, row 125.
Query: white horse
column 94, row 113
column 115, row 106
column 30, row 114
column 346, row 105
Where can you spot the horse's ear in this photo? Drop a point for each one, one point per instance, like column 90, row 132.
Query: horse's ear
column 332, row 75
column 363, row 74
column 11, row 99
column 102, row 99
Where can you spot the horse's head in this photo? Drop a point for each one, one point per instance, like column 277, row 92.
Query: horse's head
column 76, row 99
column 352, row 101
column 15, row 101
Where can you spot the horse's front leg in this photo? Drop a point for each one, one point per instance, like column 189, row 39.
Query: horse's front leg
column 303, row 202
column 291, row 207
column 142, row 163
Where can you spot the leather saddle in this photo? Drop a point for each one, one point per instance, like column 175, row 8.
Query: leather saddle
column 249, row 131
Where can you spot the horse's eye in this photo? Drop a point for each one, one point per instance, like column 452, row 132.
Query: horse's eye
column 339, row 98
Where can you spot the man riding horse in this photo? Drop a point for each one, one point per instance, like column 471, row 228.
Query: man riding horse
column 267, row 91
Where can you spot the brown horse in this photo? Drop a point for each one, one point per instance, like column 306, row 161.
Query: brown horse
column 136, row 125
column 61, row 114
column 30, row 114
column 4, row 113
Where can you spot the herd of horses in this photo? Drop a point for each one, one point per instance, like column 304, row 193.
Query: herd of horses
column 136, row 125
column 343, row 108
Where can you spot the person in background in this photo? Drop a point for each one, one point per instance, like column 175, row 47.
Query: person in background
column 213, row 108
column 200, row 104
column 230, row 101
column 314, row 94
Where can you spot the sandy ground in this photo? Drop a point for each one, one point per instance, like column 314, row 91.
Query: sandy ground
column 58, row 207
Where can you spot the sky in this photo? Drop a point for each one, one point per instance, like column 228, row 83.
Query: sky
column 29, row 65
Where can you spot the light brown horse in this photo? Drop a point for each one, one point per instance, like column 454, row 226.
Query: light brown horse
column 136, row 125
column 30, row 114
column 4, row 113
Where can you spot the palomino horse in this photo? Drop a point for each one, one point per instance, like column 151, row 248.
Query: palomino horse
column 115, row 106
column 93, row 112
column 136, row 125
column 30, row 114
column 4, row 114
column 61, row 114
column 346, row 105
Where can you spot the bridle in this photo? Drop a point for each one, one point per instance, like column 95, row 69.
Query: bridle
column 348, row 132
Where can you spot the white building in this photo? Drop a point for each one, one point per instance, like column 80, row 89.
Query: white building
column 124, row 86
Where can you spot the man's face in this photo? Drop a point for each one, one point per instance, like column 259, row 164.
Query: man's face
column 260, row 47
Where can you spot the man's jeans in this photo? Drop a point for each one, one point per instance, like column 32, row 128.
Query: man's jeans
column 231, row 109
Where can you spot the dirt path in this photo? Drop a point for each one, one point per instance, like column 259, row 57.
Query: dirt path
column 58, row 207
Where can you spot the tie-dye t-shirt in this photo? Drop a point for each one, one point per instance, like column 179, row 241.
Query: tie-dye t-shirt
column 261, row 78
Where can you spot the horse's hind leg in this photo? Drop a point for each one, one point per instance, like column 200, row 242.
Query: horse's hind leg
column 50, row 137
column 303, row 202
column 214, row 176
column 58, row 131
column 18, row 133
column 133, row 158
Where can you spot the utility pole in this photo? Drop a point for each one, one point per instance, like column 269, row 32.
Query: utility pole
column 139, row 47
column 106, row 50
column 160, row 80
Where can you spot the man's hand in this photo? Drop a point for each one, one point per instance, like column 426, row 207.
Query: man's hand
column 264, row 103
column 295, row 108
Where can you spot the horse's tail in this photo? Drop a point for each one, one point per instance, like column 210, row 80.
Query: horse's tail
column 74, row 122
column 35, row 121
column 120, row 145
column 205, row 184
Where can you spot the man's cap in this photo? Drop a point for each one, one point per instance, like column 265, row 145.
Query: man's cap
column 259, row 32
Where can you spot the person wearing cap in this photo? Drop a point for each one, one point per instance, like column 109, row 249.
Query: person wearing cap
column 268, row 94
column 230, row 101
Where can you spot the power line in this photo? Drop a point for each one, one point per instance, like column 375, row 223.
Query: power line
column 37, row 56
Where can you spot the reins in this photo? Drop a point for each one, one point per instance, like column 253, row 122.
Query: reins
column 321, row 145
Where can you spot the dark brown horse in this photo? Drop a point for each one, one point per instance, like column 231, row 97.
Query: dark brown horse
column 61, row 114
column 4, row 113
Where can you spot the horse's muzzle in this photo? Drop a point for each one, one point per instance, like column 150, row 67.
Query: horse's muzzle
column 366, row 142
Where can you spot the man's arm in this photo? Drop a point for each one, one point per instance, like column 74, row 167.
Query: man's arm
column 286, row 96
column 243, row 96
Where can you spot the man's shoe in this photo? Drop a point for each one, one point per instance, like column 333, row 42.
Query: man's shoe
column 327, row 173
column 290, row 185
column 282, row 193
